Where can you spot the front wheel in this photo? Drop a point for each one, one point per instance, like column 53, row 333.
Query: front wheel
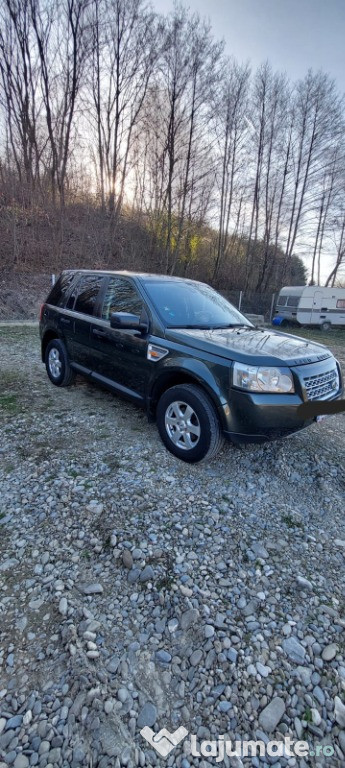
column 57, row 365
column 326, row 326
column 188, row 423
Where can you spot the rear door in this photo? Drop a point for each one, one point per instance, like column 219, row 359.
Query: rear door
column 121, row 357
column 84, row 303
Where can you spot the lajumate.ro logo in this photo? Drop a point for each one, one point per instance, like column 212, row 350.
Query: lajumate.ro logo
column 164, row 742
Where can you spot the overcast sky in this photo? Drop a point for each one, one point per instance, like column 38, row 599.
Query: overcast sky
column 293, row 34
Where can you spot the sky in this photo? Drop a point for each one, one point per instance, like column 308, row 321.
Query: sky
column 294, row 35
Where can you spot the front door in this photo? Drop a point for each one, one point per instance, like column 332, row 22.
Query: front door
column 121, row 357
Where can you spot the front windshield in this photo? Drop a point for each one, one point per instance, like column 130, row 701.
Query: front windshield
column 192, row 305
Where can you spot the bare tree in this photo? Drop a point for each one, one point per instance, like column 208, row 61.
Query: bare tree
column 124, row 51
column 339, row 240
column 61, row 38
column 19, row 97
column 318, row 120
column 230, row 109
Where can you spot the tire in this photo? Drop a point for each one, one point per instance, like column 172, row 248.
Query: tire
column 326, row 326
column 57, row 365
column 183, row 406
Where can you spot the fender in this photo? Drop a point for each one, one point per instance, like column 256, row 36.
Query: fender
column 175, row 368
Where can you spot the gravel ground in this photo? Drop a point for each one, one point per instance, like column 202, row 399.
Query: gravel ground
column 137, row 590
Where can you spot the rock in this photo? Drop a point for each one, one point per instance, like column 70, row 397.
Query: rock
column 304, row 584
column 21, row 761
column 341, row 738
column 298, row 727
column 339, row 711
column 263, row 670
column 196, row 657
column 127, row 558
column 329, row 652
column 147, row 715
column 35, row 605
column 259, row 550
column 163, row 656
column 189, row 618
column 14, row 722
column 79, row 754
column 147, row 574
column 316, row 717
column 319, row 695
column 172, row 625
column 133, row 575
column 63, row 606
column 8, row 565
column 122, row 695
column 272, row 714
column 113, row 664
column 305, row 674
column 27, row 717
column 209, row 631
column 108, row 706
column 21, row 623
column 294, row 650
column 92, row 589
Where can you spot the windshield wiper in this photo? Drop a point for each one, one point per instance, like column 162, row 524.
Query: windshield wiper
column 191, row 327
column 209, row 327
column 232, row 325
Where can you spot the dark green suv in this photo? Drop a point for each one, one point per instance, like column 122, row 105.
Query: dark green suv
column 188, row 356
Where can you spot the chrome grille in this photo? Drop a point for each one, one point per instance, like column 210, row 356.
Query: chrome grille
column 320, row 386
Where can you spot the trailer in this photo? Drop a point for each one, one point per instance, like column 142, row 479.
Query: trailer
column 310, row 305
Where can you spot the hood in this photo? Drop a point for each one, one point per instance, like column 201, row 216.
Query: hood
column 254, row 346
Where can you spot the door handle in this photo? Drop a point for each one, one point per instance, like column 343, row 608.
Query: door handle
column 101, row 334
column 65, row 321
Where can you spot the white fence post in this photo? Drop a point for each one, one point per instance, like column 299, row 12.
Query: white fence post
column 240, row 300
column 272, row 307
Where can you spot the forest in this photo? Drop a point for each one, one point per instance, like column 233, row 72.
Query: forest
column 132, row 140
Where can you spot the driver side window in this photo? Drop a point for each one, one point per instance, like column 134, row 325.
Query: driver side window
column 121, row 296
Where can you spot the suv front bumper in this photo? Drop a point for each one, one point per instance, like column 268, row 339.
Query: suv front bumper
column 257, row 417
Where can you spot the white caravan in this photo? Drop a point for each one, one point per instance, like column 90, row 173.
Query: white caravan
column 311, row 305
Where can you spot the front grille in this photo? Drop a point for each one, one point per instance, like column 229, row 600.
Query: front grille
column 320, row 386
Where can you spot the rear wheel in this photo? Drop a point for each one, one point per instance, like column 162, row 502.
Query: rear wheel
column 188, row 423
column 57, row 365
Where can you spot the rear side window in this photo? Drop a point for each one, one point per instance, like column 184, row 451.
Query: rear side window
column 59, row 291
column 87, row 294
column 293, row 301
column 288, row 301
column 121, row 296
column 341, row 304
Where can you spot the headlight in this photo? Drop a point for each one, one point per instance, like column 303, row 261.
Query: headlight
column 261, row 379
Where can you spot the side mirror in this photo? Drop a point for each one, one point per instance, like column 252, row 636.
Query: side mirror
column 127, row 321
